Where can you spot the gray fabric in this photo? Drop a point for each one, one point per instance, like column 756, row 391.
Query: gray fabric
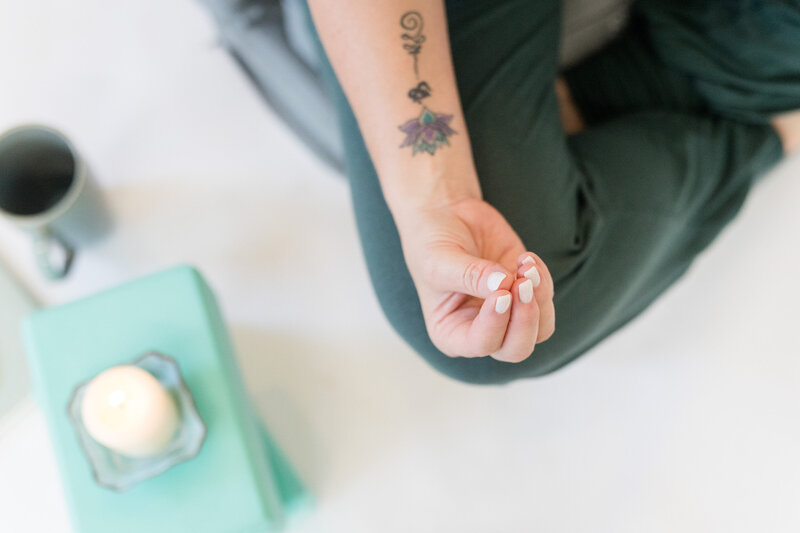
column 298, row 33
column 588, row 24
column 253, row 31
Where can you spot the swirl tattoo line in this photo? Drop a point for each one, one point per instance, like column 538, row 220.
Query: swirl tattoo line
column 412, row 22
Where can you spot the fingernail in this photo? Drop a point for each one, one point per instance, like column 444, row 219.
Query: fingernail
column 526, row 291
column 528, row 259
column 503, row 303
column 533, row 275
column 495, row 279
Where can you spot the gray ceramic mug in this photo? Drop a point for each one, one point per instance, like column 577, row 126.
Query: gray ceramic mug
column 45, row 190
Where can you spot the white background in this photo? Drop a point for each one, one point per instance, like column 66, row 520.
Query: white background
column 685, row 421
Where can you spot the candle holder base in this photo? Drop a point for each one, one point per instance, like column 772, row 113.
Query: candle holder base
column 119, row 472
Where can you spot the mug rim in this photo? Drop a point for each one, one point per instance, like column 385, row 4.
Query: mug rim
column 76, row 187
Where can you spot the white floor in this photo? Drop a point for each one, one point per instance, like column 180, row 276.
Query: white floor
column 685, row 421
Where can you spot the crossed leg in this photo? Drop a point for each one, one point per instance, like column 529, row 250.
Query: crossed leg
column 787, row 125
column 626, row 76
column 618, row 211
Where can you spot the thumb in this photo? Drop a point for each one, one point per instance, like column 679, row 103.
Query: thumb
column 458, row 271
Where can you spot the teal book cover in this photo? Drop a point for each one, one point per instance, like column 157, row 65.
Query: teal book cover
column 238, row 483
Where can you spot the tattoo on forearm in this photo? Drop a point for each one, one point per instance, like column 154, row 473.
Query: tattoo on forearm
column 412, row 21
column 422, row 90
column 429, row 130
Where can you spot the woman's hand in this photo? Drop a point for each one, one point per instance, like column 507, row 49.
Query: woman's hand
column 481, row 292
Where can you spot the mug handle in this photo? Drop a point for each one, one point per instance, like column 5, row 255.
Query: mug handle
column 53, row 254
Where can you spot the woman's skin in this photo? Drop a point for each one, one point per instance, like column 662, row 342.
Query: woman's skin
column 788, row 127
column 481, row 292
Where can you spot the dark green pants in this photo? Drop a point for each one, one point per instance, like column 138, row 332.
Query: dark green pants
column 618, row 212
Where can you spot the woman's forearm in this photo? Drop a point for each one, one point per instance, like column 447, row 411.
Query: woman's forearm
column 393, row 62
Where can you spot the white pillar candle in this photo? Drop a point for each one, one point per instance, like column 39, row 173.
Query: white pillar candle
column 126, row 409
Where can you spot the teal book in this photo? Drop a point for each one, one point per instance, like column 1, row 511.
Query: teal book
column 238, row 483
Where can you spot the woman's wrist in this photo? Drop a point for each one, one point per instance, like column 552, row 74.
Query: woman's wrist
column 439, row 193
column 423, row 183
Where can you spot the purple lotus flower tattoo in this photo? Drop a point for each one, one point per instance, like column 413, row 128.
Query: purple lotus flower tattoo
column 427, row 132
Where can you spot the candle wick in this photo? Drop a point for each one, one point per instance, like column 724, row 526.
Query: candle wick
column 116, row 398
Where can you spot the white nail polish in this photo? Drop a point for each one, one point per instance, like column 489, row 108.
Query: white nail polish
column 503, row 303
column 526, row 291
column 528, row 259
column 533, row 275
column 495, row 279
